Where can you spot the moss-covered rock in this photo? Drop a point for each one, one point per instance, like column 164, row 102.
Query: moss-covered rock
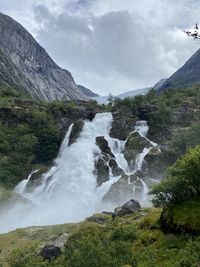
column 134, row 145
column 76, row 130
column 123, row 123
column 182, row 218
column 35, row 179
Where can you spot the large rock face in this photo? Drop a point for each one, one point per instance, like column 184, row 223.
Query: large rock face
column 25, row 63
column 89, row 93
column 186, row 76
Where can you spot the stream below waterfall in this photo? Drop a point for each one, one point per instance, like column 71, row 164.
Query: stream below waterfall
column 68, row 192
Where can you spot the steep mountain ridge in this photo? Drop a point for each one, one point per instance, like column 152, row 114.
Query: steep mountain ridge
column 186, row 76
column 89, row 93
column 29, row 66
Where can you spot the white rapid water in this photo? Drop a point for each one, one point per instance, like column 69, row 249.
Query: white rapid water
column 69, row 192
column 117, row 148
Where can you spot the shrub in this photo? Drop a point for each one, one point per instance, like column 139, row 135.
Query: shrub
column 182, row 182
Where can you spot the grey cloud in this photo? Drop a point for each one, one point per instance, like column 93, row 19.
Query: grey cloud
column 115, row 45
column 119, row 48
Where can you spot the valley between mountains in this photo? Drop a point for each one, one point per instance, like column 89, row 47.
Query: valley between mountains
column 86, row 184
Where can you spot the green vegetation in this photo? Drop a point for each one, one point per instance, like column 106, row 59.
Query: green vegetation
column 133, row 240
column 182, row 182
column 31, row 132
column 173, row 117
column 182, row 217
column 30, row 137
column 172, row 109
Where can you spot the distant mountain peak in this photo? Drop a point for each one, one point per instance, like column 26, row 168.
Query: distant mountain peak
column 186, row 76
column 30, row 67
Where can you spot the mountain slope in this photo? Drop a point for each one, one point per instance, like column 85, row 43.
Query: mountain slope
column 89, row 93
column 30, row 67
column 186, row 76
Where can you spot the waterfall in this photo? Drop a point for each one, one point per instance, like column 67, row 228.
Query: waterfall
column 68, row 192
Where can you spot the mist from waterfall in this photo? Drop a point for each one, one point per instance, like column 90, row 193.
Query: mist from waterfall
column 68, row 191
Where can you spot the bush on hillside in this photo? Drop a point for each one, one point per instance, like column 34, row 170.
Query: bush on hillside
column 182, row 182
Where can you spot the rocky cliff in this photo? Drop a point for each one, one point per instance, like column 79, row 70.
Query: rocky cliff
column 25, row 63
column 89, row 93
column 186, row 76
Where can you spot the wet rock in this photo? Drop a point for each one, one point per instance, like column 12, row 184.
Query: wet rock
column 76, row 130
column 159, row 162
column 134, row 145
column 101, row 171
column 119, row 192
column 138, row 174
column 90, row 116
column 105, row 162
column 123, row 123
column 50, row 252
column 103, row 145
column 116, row 170
column 130, row 207
column 35, row 179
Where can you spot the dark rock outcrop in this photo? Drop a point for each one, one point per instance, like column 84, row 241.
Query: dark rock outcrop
column 130, row 207
column 101, row 171
column 105, row 161
column 90, row 116
column 76, row 130
column 143, row 112
column 26, row 64
column 35, row 179
column 50, row 252
column 134, row 145
column 103, row 145
column 123, row 123
column 116, row 170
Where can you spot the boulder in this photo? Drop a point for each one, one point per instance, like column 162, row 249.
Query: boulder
column 100, row 219
column 102, row 143
column 50, row 252
column 76, row 130
column 130, row 207
column 61, row 240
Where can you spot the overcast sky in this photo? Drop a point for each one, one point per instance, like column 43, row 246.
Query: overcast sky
column 111, row 45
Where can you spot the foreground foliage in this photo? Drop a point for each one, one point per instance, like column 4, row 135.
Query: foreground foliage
column 134, row 240
column 182, row 182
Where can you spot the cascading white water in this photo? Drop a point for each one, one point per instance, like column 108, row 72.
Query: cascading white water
column 68, row 192
column 117, row 148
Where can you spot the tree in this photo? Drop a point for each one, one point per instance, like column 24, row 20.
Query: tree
column 195, row 33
